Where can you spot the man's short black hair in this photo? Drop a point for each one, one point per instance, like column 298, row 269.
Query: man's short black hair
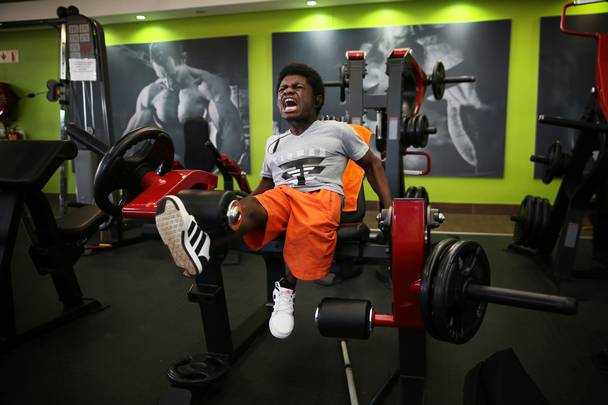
column 160, row 51
column 313, row 77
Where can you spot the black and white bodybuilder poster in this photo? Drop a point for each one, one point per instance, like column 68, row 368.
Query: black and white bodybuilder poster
column 188, row 88
column 470, row 119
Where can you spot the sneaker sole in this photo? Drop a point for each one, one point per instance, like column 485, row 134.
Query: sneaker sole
column 172, row 223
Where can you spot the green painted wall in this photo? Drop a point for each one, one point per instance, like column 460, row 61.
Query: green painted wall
column 38, row 53
column 38, row 62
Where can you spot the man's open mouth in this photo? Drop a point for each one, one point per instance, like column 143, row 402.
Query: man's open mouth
column 289, row 104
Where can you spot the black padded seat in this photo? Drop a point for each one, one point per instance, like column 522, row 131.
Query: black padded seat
column 351, row 226
column 81, row 222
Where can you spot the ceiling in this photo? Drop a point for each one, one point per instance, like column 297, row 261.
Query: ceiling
column 119, row 11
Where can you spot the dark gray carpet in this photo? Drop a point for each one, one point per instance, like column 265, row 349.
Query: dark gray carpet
column 120, row 355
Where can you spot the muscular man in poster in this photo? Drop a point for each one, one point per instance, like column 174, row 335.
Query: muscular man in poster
column 182, row 92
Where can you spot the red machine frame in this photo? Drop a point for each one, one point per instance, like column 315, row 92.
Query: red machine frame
column 601, row 57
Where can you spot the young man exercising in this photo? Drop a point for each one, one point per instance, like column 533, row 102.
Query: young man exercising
column 300, row 193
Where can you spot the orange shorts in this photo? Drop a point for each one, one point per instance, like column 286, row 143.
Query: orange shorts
column 310, row 221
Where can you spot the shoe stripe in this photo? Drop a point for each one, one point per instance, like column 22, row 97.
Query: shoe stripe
column 200, row 244
column 197, row 266
column 195, row 238
column 173, row 222
column 197, row 242
column 191, row 227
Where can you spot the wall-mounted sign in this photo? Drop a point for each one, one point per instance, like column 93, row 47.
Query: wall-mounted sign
column 9, row 56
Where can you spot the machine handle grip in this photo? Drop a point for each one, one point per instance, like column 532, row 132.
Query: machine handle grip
column 229, row 168
column 522, row 299
column 577, row 124
column 540, row 159
column 86, row 139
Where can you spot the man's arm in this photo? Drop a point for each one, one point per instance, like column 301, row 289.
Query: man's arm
column 143, row 115
column 376, row 177
column 265, row 184
column 223, row 113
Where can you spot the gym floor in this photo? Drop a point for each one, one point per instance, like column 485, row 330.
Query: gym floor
column 120, row 355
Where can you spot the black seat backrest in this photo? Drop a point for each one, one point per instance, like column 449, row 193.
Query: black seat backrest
column 28, row 165
column 26, row 168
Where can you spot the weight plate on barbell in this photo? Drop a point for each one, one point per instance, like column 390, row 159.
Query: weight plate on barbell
column 547, row 213
column 537, row 223
column 557, row 161
column 523, row 221
column 544, row 206
column 411, row 192
column 530, row 223
column 410, row 130
column 423, row 134
column 426, row 284
column 454, row 317
column 437, row 80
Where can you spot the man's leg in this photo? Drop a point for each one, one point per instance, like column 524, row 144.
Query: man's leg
column 289, row 280
column 281, row 322
column 182, row 235
column 188, row 243
column 310, row 239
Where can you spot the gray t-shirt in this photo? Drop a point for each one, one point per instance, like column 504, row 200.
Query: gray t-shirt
column 315, row 159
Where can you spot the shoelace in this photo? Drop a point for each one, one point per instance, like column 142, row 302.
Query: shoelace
column 283, row 299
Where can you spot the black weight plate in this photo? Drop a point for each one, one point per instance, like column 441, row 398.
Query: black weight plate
column 422, row 193
column 549, row 168
column 411, row 192
column 529, row 224
column 557, row 162
column 537, row 223
column 438, row 77
column 198, row 370
column 416, row 131
column 426, row 285
column 343, row 82
column 544, row 206
column 546, row 215
column 522, row 221
column 424, row 131
column 518, row 221
column 136, row 153
column 456, row 318
column 410, row 130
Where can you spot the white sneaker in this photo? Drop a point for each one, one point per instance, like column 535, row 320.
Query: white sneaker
column 281, row 321
column 187, row 242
